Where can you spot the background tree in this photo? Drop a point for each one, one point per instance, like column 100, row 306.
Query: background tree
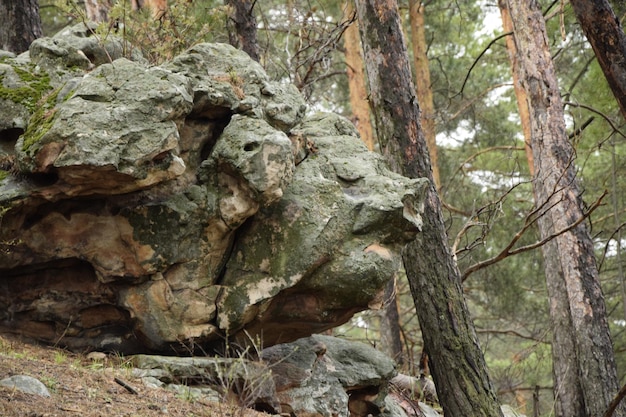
column 584, row 367
column 447, row 329
column 243, row 35
column 20, row 24
column 422, row 82
column 97, row 10
column 356, row 78
column 607, row 38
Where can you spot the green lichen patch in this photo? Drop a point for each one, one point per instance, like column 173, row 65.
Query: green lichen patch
column 33, row 86
column 3, row 174
column 41, row 121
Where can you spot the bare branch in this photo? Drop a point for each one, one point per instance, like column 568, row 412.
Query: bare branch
column 598, row 112
column 508, row 251
column 483, row 151
column 618, row 398
column 484, row 51
column 511, row 333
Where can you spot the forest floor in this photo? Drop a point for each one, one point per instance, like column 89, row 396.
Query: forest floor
column 82, row 387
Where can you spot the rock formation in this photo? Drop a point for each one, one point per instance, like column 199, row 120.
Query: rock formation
column 317, row 376
column 169, row 208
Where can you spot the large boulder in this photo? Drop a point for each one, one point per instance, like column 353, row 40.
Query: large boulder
column 164, row 209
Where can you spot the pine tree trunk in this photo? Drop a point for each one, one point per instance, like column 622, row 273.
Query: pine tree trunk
column 20, row 24
column 390, row 334
column 584, row 366
column 356, row 80
column 607, row 38
column 458, row 366
column 422, row 83
column 97, row 10
column 520, row 93
column 244, row 34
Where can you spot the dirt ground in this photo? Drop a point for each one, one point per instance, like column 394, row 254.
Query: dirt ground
column 83, row 387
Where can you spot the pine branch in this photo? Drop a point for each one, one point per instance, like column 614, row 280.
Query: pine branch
column 509, row 251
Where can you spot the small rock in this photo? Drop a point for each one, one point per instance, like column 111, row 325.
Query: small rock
column 97, row 356
column 152, row 382
column 26, row 384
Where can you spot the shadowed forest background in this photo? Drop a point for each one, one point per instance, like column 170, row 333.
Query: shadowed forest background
column 462, row 72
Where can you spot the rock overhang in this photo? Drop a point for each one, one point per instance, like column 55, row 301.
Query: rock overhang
column 189, row 203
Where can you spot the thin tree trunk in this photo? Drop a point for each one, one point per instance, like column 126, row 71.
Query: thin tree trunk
column 607, row 38
column 158, row 7
column 244, row 35
column 584, row 366
column 520, row 93
column 390, row 335
column 422, row 83
column 20, row 24
column 97, row 10
column 356, row 80
column 458, row 366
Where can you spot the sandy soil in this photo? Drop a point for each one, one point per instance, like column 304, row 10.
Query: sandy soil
column 83, row 387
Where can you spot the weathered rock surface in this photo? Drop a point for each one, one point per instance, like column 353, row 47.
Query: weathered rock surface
column 327, row 376
column 26, row 384
column 317, row 376
column 164, row 209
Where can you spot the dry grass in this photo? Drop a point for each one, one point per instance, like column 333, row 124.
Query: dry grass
column 85, row 388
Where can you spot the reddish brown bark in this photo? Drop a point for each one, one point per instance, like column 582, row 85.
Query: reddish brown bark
column 520, row 93
column 97, row 10
column 356, row 81
column 422, row 83
column 584, row 367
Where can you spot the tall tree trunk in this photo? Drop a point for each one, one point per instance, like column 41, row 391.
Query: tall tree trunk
column 607, row 38
column 390, row 335
column 520, row 93
column 244, row 34
column 20, row 24
column 422, row 83
column 458, row 366
column 584, row 366
column 356, row 80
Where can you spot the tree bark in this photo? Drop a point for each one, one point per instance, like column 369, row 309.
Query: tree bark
column 520, row 93
column 457, row 363
column 583, row 363
column 422, row 83
column 390, row 334
column 97, row 10
column 356, row 80
column 20, row 24
column 244, row 34
column 607, row 38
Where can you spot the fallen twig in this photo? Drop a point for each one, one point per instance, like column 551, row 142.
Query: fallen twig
column 128, row 387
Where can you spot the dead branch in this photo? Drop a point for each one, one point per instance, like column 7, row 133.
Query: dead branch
column 126, row 386
column 475, row 99
column 618, row 398
column 511, row 333
column 483, row 151
column 599, row 113
column 509, row 251
column 473, row 222
column 484, row 51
